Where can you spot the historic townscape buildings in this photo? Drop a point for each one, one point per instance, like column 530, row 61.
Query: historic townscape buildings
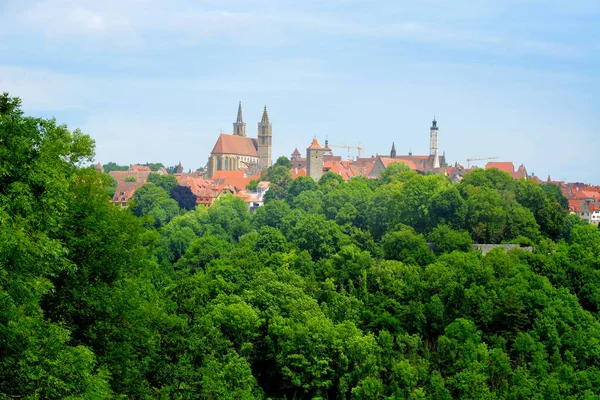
column 236, row 159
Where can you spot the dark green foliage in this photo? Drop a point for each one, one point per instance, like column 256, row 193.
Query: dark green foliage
column 554, row 191
column 184, row 197
column 153, row 201
column 112, row 166
column 330, row 291
column 154, row 167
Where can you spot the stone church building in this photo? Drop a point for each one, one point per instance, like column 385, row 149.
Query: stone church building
column 237, row 152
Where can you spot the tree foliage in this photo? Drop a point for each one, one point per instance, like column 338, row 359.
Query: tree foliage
column 335, row 290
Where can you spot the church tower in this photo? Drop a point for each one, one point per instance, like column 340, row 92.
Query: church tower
column 314, row 160
column 433, row 138
column 239, row 126
column 264, row 141
column 393, row 152
column 434, row 144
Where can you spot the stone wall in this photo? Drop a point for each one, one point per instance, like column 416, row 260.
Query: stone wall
column 486, row 248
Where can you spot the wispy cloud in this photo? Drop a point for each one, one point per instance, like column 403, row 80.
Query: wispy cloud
column 143, row 23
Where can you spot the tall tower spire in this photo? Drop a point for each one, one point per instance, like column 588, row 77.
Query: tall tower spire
column 265, row 134
column 433, row 138
column 393, row 152
column 239, row 126
column 434, row 144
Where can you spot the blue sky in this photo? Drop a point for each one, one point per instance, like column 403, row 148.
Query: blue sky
column 157, row 81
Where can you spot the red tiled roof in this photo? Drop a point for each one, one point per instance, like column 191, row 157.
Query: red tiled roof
column 121, row 176
column 502, row 166
column 585, row 194
column 235, row 179
column 345, row 169
column 125, row 191
column 315, row 145
column 139, row 168
column 389, row 160
column 296, row 172
column 575, row 205
column 239, row 145
column 223, row 174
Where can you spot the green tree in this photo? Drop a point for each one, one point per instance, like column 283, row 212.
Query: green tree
column 447, row 240
column 301, row 184
column 165, row 181
column 394, row 172
column 154, row 201
column 112, row 166
column 406, row 246
column 284, row 162
column 318, row 236
column 184, row 197
column 39, row 163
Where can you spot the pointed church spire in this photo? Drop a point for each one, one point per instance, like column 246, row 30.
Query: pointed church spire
column 393, row 152
column 265, row 116
column 434, row 123
column 240, row 120
column 239, row 126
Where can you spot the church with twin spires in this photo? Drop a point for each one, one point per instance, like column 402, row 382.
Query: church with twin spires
column 236, row 152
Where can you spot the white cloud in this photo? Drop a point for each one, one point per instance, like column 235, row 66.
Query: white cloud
column 44, row 90
column 71, row 18
column 267, row 23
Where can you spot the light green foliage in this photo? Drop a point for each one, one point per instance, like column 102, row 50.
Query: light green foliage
column 167, row 182
column 284, row 162
column 447, row 240
column 329, row 180
column 396, row 172
column 301, row 184
column 318, row 236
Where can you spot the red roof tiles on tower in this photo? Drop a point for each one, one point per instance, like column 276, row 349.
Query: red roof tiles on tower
column 315, row 145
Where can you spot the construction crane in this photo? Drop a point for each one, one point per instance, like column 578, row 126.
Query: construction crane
column 479, row 159
column 359, row 148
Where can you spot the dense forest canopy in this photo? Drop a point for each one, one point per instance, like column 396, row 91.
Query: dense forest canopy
column 330, row 290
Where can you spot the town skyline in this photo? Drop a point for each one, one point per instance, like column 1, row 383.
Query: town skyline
column 154, row 82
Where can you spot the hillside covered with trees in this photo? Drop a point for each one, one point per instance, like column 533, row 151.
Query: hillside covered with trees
column 330, row 290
